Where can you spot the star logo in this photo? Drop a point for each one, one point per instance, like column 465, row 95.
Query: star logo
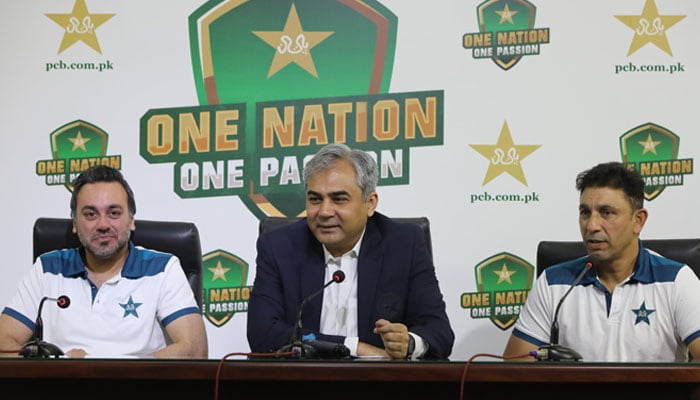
column 504, row 274
column 650, row 27
column 79, row 26
column 643, row 314
column 225, row 289
column 494, row 299
column 505, row 156
column 130, row 308
column 79, row 142
column 292, row 45
column 219, row 272
column 653, row 150
column 649, row 145
column 506, row 15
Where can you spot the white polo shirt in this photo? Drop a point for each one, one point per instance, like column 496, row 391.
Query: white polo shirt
column 121, row 319
column 649, row 317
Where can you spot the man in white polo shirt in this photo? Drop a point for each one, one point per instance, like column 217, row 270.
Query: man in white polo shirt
column 125, row 301
column 631, row 304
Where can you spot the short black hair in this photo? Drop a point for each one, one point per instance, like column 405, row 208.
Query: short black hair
column 614, row 175
column 101, row 173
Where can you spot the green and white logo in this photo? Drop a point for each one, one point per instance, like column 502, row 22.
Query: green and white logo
column 506, row 32
column 75, row 147
column 225, row 290
column 503, row 282
column 275, row 82
column 652, row 150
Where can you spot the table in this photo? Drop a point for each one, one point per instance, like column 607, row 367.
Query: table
column 151, row 379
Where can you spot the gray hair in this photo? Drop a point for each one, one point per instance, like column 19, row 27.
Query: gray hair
column 365, row 167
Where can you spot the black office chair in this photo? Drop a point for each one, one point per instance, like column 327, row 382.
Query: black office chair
column 686, row 251
column 178, row 238
column 270, row 223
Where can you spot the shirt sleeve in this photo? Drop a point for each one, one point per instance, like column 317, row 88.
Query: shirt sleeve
column 535, row 320
column 176, row 297
column 24, row 305
column 686, row 304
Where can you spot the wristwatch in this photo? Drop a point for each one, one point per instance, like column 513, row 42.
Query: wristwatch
column 411, row 346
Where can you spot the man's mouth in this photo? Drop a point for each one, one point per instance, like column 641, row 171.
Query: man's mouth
column 594, row 243
column 103, row 238
column 327, row 228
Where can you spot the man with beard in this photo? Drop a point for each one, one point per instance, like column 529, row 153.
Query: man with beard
column 125, row 301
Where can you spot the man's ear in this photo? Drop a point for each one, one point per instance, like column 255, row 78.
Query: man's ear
column 372, row 201
column 640, row 218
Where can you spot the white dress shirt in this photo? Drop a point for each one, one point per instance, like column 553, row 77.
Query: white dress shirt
column 339, row 311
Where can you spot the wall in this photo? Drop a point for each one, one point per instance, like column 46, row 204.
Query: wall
column 517, row 128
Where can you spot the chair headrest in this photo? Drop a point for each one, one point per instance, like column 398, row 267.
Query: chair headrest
column 687, row 251
column 178, row 238
column 270, row 223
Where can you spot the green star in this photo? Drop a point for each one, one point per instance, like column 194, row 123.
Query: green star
column 643, row 314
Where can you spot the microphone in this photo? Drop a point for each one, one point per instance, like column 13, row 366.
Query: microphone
column 298, row 348
column 554, row 351
column 37, row 347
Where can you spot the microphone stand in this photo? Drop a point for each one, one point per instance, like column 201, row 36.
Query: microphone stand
column 554, row 351
column 297, row 347
column 37, row 347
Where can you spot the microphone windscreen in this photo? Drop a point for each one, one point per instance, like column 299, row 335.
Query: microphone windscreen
column 338, row 276
column 63, row 301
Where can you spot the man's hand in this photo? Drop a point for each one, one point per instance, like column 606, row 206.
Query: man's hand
column 394, row 336
column 367, row 350
column 76, row 353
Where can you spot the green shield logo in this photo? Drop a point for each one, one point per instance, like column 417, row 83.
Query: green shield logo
column 225, row 290
column 75, row 141
column 501, row 17
column 507, row 279
column 653, row 151
column 251, row 52
column 78, row 139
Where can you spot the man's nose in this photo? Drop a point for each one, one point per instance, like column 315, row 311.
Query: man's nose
column 593, row 222
column 102, row 222
column 326, row 208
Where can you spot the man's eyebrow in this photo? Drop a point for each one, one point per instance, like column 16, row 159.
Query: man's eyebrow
column 331, row 194
column 110, row 207
column 598, row 207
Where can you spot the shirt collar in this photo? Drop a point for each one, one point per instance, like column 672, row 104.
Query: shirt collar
column 642, row 267
column 128, row 269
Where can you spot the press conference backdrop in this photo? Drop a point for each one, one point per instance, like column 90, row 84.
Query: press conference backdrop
column 480, row 114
